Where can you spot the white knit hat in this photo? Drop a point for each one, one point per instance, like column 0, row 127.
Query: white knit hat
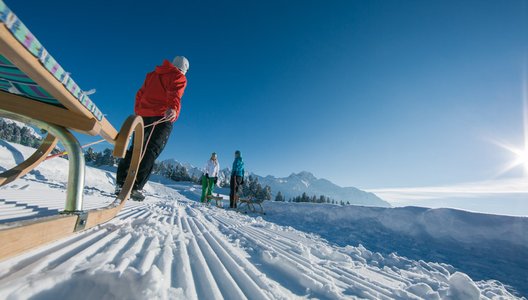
column 181, row 63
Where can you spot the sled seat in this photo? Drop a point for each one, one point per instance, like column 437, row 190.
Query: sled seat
column 35, row 89
column 250, row 205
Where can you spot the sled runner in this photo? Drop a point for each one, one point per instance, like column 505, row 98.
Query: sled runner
column 249, row 205
column 36, row 90
column 218, row 199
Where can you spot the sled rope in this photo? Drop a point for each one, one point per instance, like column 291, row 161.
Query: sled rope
column 164, row 119
column 153, row 125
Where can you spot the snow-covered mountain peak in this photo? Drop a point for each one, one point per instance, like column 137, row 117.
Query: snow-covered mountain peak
column 304, row 176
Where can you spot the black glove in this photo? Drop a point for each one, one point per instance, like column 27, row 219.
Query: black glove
column 206, row 175
column 215, row 180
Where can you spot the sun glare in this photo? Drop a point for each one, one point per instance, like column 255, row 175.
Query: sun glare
column 522, row 158
column 520, row 154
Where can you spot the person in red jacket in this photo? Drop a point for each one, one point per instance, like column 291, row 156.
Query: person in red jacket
column 158, row 98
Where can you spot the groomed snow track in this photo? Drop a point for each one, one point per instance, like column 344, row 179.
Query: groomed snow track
column 178, row 249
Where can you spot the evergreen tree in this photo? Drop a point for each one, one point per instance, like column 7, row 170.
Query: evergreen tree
column 279, row 197
column 252, row 188
column 98, row 159
column 266, row 193
column 107, row 158
column 89, row 155
column 304, row 197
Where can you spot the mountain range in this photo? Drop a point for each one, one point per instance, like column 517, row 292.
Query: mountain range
column 298, row 183
column 305, row 182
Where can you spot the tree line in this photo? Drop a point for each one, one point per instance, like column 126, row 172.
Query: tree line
column 11, row 132
column 311, row 199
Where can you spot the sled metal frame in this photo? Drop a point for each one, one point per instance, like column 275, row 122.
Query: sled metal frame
column 75, row 159
column 249, row 205
column 17, row 237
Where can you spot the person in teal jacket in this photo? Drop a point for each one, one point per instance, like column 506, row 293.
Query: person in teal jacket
column 237, row 179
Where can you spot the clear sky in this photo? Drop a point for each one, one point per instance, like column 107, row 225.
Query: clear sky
column 372, row 94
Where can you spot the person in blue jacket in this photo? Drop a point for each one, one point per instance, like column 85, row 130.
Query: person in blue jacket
column 237, row 179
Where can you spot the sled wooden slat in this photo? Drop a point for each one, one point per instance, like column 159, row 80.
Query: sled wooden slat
column 96, row 217
column 28, row 235
column 49, row 113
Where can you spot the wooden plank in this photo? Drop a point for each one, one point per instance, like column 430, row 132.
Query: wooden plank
column 17, row 239
column 107, row 131
column 31, row 66
column 48, row 113
column 99, row 216
column 133, row 124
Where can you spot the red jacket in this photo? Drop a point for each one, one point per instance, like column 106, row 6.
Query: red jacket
column 163, row 89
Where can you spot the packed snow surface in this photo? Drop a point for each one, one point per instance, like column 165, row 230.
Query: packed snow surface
column 172, row 247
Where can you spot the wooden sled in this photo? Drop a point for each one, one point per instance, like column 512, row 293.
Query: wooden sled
column 250, row 205
column 218, row 199
column 36, row 90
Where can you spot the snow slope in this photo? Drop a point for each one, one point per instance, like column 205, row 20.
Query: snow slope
column 171, row 247
column 483, row 246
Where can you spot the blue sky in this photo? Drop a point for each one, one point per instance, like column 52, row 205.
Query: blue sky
column 373, row 94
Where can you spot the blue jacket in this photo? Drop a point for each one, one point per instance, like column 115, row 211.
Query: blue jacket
column 238, row 167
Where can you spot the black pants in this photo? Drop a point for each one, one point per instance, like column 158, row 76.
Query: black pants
column 236, row 181
column 158, row 140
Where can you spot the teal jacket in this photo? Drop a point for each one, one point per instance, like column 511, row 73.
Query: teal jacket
column 238, row 167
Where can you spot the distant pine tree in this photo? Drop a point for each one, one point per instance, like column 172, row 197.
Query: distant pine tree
column 279, row 197
column 252, row 188
column 266, row 193
column 89, row 155
column 11, row 132
column 108, row 158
